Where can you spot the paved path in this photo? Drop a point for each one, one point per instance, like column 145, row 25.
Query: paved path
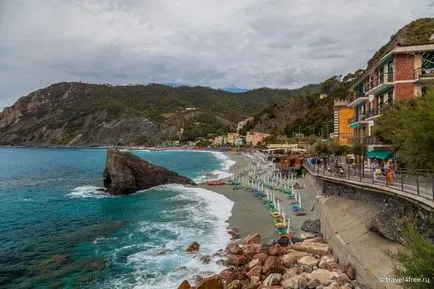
column 409, row 191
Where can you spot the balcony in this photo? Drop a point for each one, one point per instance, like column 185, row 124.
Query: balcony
column 355, row 122
column 356, row 99
column 423, row 74
column 373, row 141
column 379, row 83
column 373, row 114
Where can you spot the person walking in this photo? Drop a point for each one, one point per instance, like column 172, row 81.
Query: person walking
column 388, row 169
column 374, row 166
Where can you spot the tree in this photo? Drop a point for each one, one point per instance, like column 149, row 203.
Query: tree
column 408, row 127
column 416, row 259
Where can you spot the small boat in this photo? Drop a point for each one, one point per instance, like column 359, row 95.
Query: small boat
column 215, row 183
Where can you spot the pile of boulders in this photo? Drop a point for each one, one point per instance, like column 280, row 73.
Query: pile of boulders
column 305, row 263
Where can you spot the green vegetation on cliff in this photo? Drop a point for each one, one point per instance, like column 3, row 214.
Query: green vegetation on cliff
column 416, row 260
column 417, row 32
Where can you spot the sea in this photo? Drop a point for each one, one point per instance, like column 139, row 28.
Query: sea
column 57, row 230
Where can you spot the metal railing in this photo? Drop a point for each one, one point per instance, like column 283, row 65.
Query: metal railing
column 421, row 73
column 378, row 80
column 355, row 95
column 415, row 182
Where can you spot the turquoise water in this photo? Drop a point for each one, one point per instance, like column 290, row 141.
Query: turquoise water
column 58, row 231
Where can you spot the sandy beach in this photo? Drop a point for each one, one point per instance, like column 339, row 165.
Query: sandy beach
column 249, row 215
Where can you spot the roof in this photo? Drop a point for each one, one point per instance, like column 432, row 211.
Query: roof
column 396, row 50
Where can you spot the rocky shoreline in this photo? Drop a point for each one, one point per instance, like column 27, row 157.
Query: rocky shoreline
column 289, row 263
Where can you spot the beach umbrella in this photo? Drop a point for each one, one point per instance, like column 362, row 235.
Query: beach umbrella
column 288, row 229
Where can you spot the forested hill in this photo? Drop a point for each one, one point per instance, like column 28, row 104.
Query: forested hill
column 92, row 114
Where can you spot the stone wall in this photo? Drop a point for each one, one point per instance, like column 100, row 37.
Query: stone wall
column 344, row 225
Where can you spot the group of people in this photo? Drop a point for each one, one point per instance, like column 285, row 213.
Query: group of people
column 388, row 169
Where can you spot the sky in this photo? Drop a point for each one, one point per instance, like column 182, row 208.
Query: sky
column 216, row 43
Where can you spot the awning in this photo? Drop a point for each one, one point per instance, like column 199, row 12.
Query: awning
column 382, row 155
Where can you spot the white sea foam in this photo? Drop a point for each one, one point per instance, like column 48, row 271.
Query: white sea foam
column 206, row 223
column 87, row 192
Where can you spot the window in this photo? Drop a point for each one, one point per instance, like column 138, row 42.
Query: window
column 390, row 71
column 424, row 90
column 382, row 74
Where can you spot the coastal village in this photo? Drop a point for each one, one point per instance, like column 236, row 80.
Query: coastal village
column 329, row 186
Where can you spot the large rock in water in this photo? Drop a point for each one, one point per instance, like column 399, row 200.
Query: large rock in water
column 126, row 173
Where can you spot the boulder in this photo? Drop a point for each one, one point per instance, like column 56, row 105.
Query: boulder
column 234, row 249
column 313, row 283
column 254, row 263
column 291, row 257
column 333, row 286
column 289, row 273
column 194, row 247
column 307, row 235
column 261, row 256
column 252, row 286
column 252, row 249
column 342, row 279
column 274, row 250
column 226, row 274
column 236, row 284
column 255, row 271
column 327, row 259
column 309, row 261
column 252, row 239
column 324, row 276
column 237, row 260
column 311, row 247
column 272, row 264
column 184, row 285
column 234, row 232
column 350, row 271
column 292, row 283
column 213, row 282
column 126, row 173
column 272, row 279
column 312, row 226
column 254, row 280
column 205, row 259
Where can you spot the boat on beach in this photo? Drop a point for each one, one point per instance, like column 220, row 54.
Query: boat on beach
column 215, row 183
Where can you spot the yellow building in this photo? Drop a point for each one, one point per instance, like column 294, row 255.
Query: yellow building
column 342, row 116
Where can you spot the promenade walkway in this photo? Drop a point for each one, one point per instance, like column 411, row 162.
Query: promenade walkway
column 416, row 188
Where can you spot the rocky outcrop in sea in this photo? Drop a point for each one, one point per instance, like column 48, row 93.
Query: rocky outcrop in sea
column 126, row 173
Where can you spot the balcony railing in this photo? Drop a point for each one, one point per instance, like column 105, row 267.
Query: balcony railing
column 352, row 97
column 378, row 81
column 373, row 141
column 373, row 113
column 423, row 73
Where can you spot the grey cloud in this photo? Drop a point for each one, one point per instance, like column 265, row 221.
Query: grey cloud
column 245, row 43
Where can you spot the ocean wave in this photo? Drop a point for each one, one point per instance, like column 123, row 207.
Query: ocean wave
column 205, row 222
column 87, row 192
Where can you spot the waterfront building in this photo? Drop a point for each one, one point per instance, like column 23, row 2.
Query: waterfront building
column 232, row 137
column 342, row 114
column 256, row 138
column 402, row 74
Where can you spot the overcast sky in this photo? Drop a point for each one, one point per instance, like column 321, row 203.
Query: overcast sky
column 217, row 43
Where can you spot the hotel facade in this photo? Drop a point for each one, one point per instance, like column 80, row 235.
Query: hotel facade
column 401, row 75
